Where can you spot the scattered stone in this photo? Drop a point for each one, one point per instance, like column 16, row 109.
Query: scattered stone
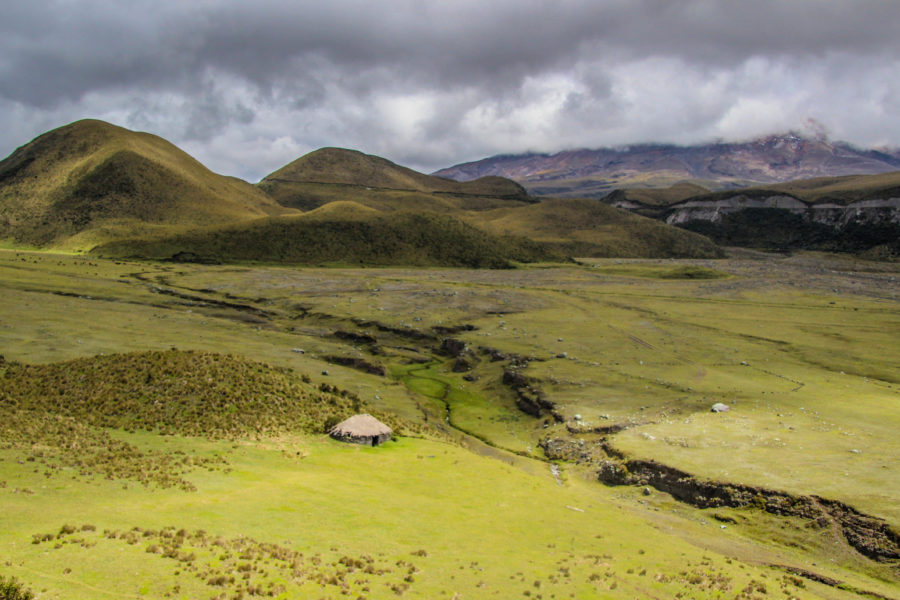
column 297, row 350
column 718, row 407
column 856, row 451
column 744, row 363
column 562, row 355
column 647, row 491
column 324, row 372
column 577, row 417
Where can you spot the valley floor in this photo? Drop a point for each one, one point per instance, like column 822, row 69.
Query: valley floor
column 623, row 357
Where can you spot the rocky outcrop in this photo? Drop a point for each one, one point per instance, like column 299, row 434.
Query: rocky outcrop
column 869, row 535
column 529, row 398
column 873, row 211
column 360, row 364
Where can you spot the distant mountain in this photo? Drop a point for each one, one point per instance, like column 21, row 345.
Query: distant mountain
column 594, row 173
column 331, row 174
column 91, row 181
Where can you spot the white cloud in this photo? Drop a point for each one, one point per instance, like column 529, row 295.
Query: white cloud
column 247, row 88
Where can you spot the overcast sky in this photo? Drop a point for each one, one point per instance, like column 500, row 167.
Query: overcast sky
column 246, row 87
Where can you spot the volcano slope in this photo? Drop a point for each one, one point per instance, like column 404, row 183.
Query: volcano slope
column 492, row 371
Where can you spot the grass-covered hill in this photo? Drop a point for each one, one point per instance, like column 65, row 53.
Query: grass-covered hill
column 590, row 228
column 93, row 186
column 91, row 181
column 184, row 392
column 843, row 190
column 656, row 196
column 337, row 174
column 344, row 234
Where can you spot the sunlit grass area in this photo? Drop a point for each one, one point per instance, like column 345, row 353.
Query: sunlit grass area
column 803, row 350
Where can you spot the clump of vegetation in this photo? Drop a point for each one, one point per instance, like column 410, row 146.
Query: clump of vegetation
column 692, row 272
column 54, row 443
column 174, row 392
column 245, row 566
column 12, row 589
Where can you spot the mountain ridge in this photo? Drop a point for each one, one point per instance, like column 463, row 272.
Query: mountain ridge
column 596, row 172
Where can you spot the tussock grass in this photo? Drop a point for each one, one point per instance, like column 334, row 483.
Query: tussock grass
column 185, row 392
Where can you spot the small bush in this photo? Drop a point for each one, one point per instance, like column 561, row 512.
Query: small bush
column 11, row 589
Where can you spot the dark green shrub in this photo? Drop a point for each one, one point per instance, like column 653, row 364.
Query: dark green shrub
column 11, row 589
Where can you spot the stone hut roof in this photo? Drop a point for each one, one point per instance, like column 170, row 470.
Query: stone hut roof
column 360, row 426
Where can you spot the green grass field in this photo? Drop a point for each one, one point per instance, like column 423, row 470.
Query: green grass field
column 802, row 348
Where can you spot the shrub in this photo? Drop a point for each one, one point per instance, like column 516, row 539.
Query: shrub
column 11, row 589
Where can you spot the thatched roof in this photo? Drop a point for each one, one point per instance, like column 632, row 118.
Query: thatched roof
column 364, row 425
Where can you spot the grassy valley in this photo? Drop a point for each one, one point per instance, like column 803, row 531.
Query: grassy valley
column 175, row 345
column 128, row 468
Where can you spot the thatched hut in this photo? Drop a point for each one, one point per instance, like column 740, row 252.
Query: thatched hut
column 361, row 429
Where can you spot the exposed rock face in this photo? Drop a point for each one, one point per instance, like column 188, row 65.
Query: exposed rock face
column 869, row 535
column 876, row 211
column 359, row 364
column 529, row 399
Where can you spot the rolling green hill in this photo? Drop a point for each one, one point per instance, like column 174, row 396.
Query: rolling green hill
column 343, row 234
column 94, row 186
column 838, row 190
column 332, row 174
column 843, row 190
column 90, row 181
column 590, row 228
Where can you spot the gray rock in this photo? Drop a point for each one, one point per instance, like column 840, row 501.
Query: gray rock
column 719, row 407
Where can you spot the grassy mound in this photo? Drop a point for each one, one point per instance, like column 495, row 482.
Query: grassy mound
column 91, row 175
column 353, row 238
column 590, row 228
column 335, row 175
column 191, row 393
column 351, row 167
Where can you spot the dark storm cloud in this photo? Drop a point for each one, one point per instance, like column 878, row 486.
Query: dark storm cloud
column 431, row 82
